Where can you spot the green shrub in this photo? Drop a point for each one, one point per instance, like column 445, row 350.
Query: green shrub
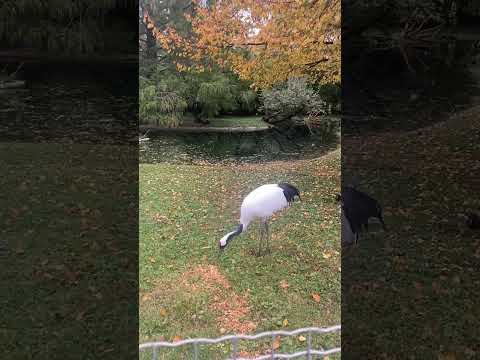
column 293, row 98
column 304, row 105
column 248, row 101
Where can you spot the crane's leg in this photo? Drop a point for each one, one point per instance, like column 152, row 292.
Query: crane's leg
column 262, row 235
column 267, row 236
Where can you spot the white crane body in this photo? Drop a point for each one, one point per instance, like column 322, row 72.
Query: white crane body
column 262, row 203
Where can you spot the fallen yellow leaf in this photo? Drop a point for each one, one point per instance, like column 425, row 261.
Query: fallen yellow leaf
column 285, row 323
column 163, row 312
column 447, row 356
column 326, row 255
column 301, row 338
column 146, row 297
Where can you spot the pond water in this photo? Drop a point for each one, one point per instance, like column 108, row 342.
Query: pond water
column 96, row 103
column 231, row 148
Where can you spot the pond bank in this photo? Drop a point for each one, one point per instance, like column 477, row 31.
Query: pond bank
column 204, row 129
column 223, row 124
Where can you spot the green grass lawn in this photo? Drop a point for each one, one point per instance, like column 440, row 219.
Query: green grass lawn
column 187, row 290
column 238, row 121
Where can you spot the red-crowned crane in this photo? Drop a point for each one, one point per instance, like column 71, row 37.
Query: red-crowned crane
column 262, row 203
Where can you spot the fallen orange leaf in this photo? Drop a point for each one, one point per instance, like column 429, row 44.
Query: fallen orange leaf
column 276, row 343
column 176, row 338
column 316, row 297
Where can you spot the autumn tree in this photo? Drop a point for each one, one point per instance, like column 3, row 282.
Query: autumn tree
column 167, row 94
column 154, row 17
column 265, row 41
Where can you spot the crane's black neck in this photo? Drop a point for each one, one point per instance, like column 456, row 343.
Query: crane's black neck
column 237, row 232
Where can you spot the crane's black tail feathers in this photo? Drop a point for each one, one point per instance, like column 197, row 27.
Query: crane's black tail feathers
column 289, row 191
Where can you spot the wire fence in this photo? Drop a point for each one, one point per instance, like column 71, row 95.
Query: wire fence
column 309, row 352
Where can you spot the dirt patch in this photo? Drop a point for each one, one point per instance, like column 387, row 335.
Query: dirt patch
column 231, row 310
column 233, row 314
column 204, row 277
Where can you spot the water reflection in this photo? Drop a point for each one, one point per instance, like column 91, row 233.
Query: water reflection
column 231, row 148
column 71, row 103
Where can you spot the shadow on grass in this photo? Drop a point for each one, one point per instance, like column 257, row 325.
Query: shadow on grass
column 69, row 284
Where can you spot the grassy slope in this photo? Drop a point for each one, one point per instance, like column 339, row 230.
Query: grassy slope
column 428, row 261
column 69, row 251
column 184, row 211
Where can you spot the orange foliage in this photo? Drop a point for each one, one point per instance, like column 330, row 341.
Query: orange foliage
column 150, row 24
column 265, row 41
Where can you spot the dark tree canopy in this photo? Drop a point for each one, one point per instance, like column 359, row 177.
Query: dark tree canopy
column 69, row 26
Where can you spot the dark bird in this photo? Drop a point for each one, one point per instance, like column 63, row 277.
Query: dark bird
column 262, row 203
column 358, row 208
column 473, row 221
